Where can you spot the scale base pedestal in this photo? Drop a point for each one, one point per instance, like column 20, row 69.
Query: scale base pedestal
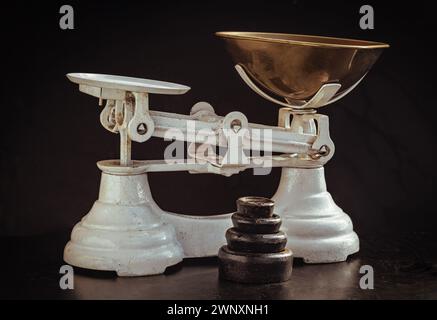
column 127, row 232
column 123, row 231
column 318, row 230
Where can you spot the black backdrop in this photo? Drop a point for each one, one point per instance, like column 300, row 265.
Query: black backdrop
column 382, row 173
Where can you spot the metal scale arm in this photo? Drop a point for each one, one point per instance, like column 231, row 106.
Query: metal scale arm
column 127, row 112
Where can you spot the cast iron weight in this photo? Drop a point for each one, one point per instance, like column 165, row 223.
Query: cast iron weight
column 256, row 251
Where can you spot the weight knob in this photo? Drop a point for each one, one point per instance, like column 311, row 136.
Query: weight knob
column 256, row 207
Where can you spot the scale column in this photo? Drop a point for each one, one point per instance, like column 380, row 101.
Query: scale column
column 123, row 112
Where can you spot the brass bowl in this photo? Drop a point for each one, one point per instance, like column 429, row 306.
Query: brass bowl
column 296, row 66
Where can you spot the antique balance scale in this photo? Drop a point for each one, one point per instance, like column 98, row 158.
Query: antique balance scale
column 126, row 231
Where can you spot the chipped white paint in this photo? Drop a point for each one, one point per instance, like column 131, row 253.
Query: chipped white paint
column 317, row 229
column 124, row 231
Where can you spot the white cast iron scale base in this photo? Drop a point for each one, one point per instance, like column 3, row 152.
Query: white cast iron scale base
column 318, row 230
column 127, row 232
column 123, row 231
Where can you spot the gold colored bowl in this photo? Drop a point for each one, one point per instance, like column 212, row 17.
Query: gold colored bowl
column 296, row 66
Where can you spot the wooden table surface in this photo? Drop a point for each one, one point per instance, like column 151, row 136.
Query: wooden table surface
column 405, row 267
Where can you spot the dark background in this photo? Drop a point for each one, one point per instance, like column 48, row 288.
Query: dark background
column 382, row 174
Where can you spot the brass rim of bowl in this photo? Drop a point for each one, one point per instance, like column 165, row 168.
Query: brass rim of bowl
column 306, row 40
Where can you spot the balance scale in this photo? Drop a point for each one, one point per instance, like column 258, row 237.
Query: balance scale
column 125, row 230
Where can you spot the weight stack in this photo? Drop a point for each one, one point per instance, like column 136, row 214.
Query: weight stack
column 256, row 251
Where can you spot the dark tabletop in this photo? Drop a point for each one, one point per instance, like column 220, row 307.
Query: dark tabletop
column 405, row 267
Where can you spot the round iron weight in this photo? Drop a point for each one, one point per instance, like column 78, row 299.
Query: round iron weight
column 255, row 267
column 260, row 243
column 256, row 225
column 256, row 207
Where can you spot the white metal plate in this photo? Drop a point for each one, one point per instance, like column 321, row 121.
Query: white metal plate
column 127, row 83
